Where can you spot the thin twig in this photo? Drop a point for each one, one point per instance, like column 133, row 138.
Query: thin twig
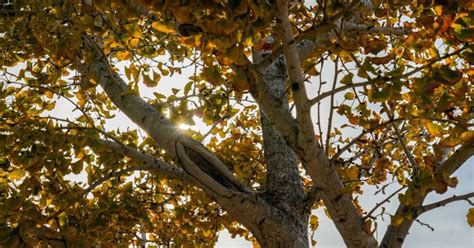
column 369, row 214
column 331, row 108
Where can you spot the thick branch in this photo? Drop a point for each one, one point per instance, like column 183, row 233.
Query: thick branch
column 457, row 159
column 315, row 161
column 161, row 130
column 283, row 182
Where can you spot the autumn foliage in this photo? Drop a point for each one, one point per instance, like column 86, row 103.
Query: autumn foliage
column 264, row 83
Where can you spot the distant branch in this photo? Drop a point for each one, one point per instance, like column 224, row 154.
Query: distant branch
column 444, row 202
column 353, row 141
column 349, row 26
column 117, row 174
column 337, row 90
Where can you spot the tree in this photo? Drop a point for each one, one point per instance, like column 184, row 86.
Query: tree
column 402, row 77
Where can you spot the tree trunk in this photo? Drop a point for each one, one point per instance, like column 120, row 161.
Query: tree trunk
column 293, row 233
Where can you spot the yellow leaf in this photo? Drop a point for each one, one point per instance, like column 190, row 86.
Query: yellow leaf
column 313, row 222
column 134, row 42
column 352, row 173
column 450, row 142
column 17, row 174
column 467, row 136
column 50, row 106
column 470, row 217
column 434, row 129
column 207, row 234
column 255, row 244
column 349, row 96
column 161, row 27
column 124, row 55
column 48, row 94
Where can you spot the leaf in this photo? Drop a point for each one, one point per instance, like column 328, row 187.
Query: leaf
column 433, row 128
column 164, row 28
column 124, row 55
column 349, row 96
column 467, row 136
column 377, row 95
column 77, row 167
column 17, row 174
column 313, row 222
column 468, row 56
column 347, row 79
column 212, row 75
column 49, row 94
column 375, row 46
column 450, row 142
column 382, row 60
column 470, row 217
column 149, row 82
column 352, row 173
column 50, row 106
column 134, row 42
column 240, row 81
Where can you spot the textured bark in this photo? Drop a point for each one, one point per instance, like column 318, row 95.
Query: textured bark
column 322, row 171
column 283, row 185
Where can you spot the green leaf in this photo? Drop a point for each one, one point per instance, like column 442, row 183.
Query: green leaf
column 347, row 79
column 376, row 95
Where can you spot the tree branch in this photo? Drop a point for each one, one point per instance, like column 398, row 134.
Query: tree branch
column 442, row 203
column 221, row 182
column 148, row 162
column 312, row 156
column 456, row 159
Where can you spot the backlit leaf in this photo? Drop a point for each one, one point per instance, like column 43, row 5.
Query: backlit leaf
column 164, row 28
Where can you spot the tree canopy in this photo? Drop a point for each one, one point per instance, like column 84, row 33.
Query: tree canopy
column 300, row 106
